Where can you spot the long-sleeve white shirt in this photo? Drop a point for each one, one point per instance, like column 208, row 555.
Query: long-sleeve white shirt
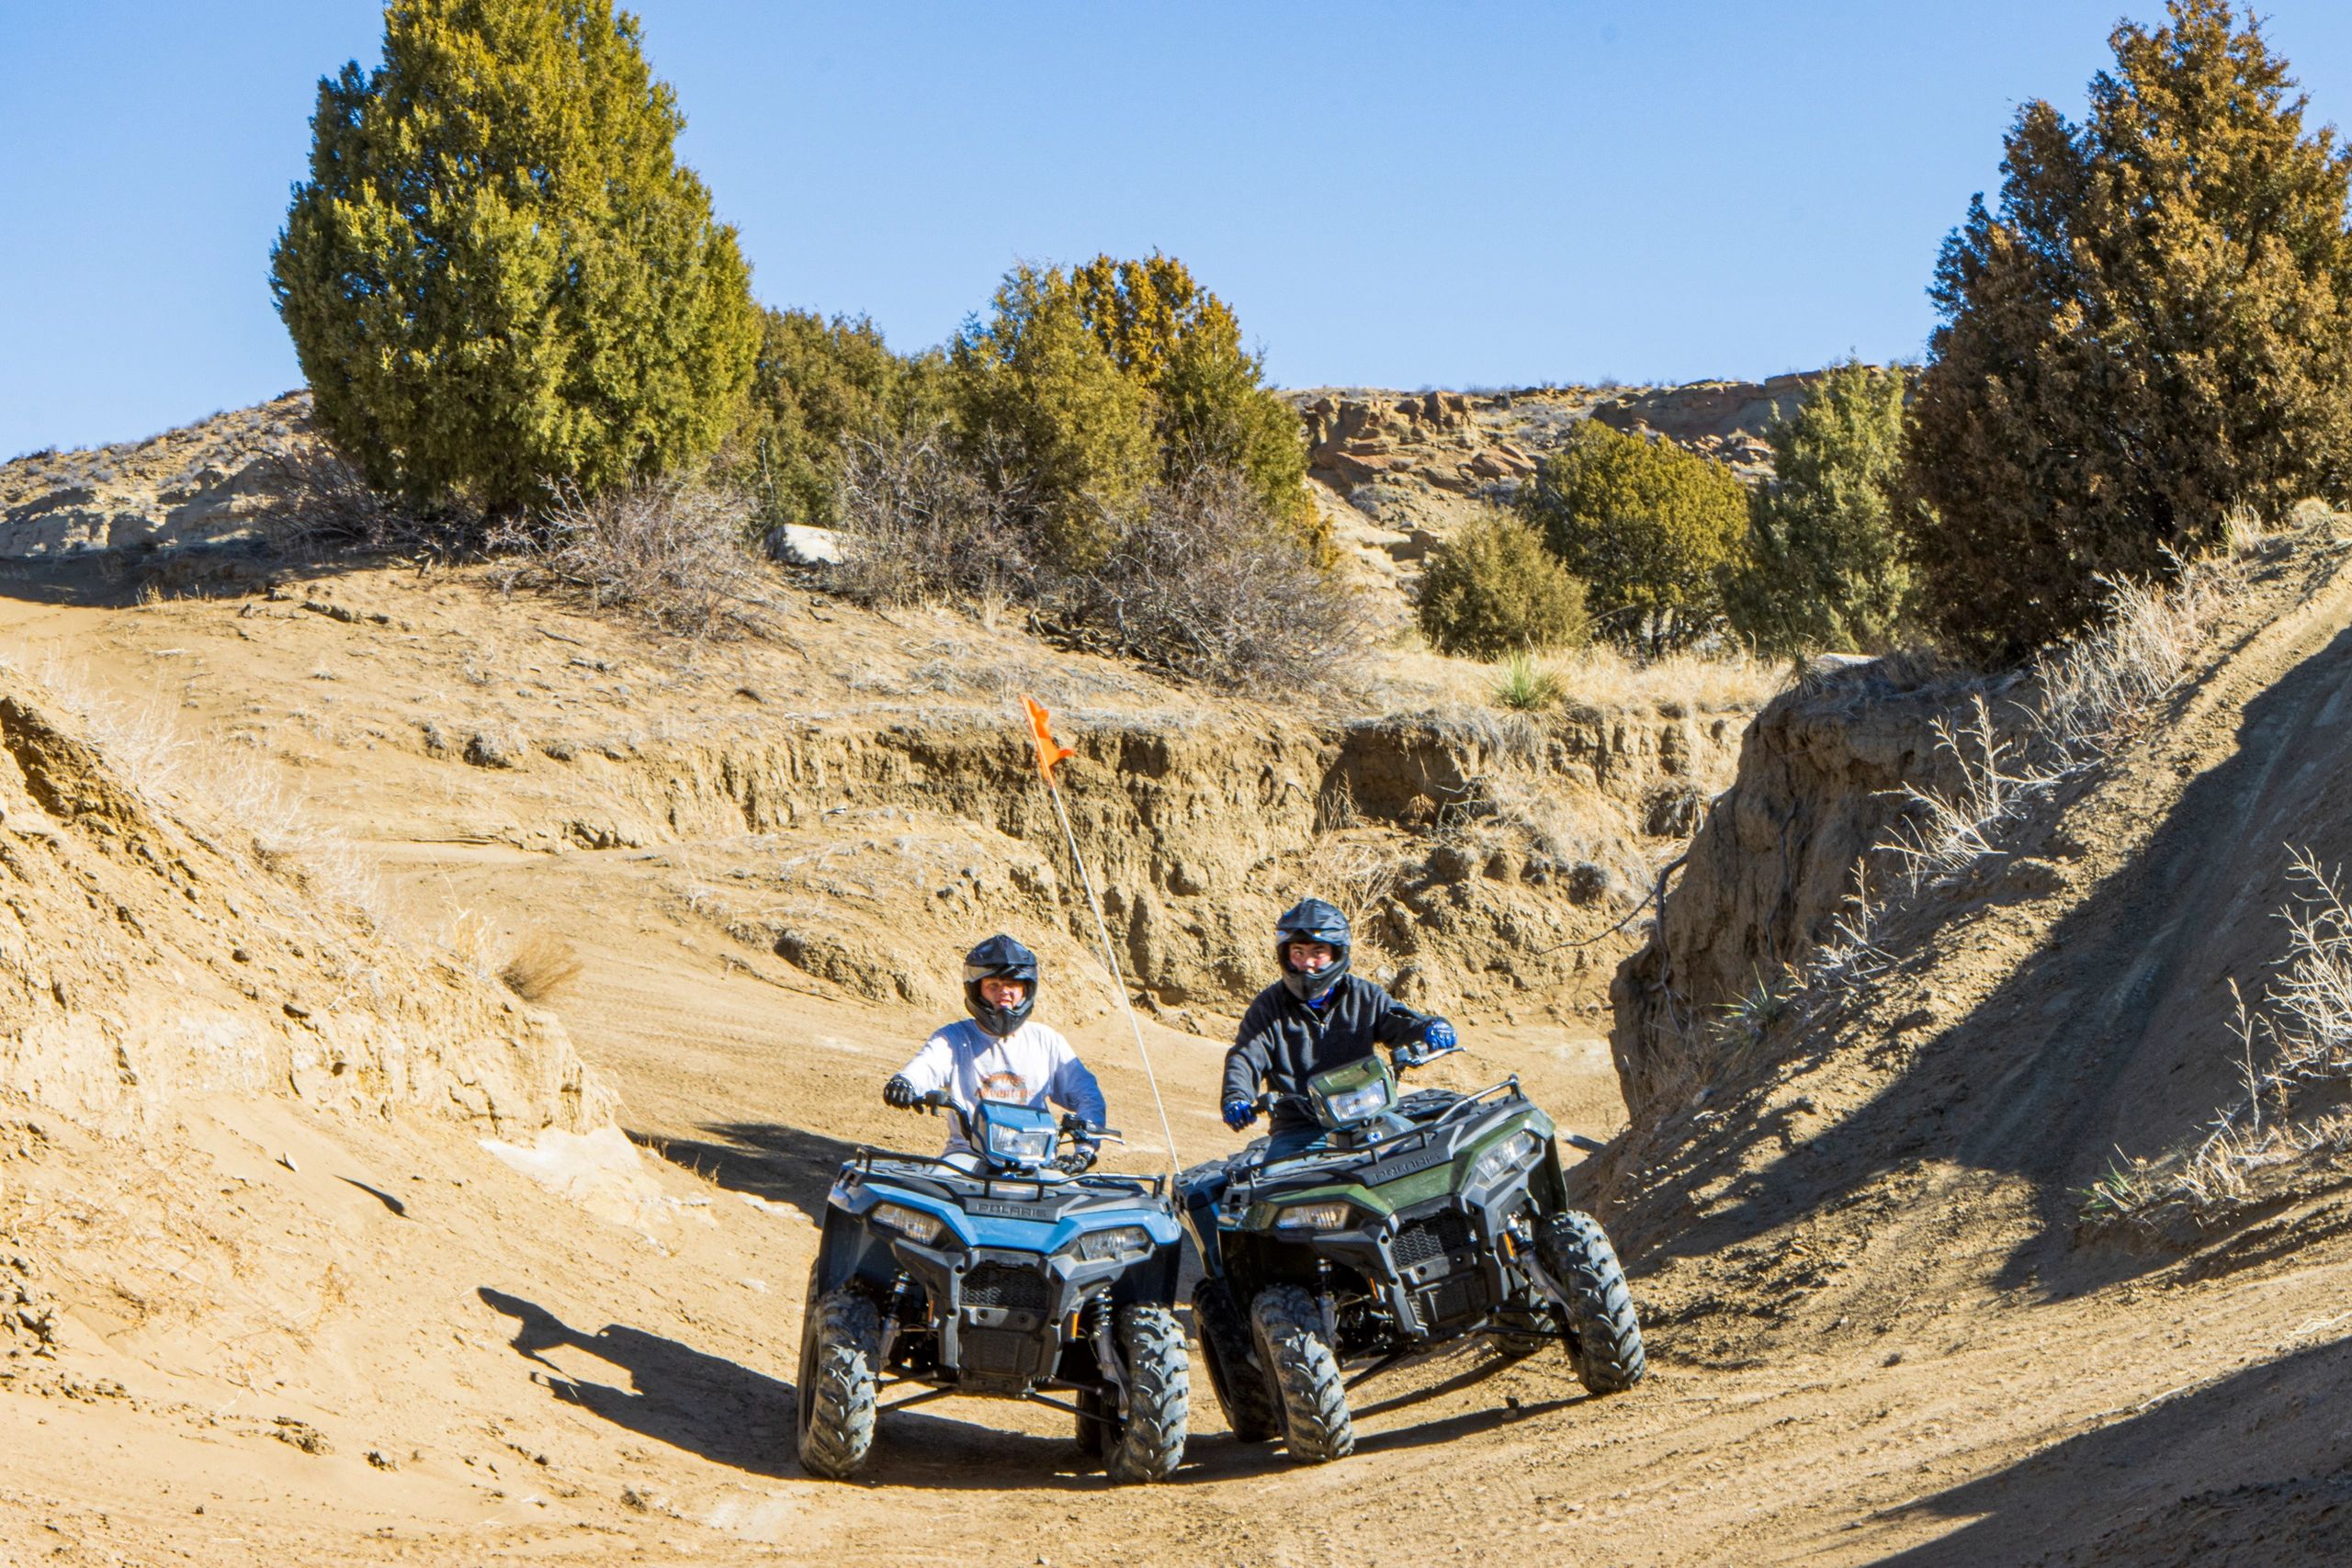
column 1029, row 1066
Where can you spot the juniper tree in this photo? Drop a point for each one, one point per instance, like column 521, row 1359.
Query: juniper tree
column 1648, row 526
column 1822, row 567
column 1088, row 384
column 497, row 272
column 2151, row 327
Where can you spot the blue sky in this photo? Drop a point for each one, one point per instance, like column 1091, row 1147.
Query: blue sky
column 1430, row 195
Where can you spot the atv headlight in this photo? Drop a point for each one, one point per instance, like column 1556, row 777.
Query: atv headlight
column 1121, row 1244
column 912, row 1224
column 1314, row 1217
column 1357, row 1104
column 1020, row 1146
column 1514, row 1153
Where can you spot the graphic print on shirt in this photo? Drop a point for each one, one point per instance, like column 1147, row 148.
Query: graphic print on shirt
column 1009, row 1087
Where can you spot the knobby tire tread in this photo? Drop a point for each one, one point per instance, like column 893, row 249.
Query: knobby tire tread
column 1235, row 1374
column 845, row 1333
column 1607, row 1339
column 1316, row 1422
column 1149, row 1444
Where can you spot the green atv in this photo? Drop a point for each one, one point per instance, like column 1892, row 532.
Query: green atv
column 1412, row 1221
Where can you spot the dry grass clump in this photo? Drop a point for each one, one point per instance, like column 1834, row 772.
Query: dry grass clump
column 1599, row 675
column 2295, row 1047
column 2085, row 696
column 540, row 965
column 671, row 550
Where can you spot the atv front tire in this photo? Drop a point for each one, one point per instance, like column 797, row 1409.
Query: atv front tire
column 1242, row 1391
column 1149, row 1444
column 1289, row 1326
column 839, row 1346
column 1603, row 1336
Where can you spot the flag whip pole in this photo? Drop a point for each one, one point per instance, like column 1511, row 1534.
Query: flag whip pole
column 1048, row 755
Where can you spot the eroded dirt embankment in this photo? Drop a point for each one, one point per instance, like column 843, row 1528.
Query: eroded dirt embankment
column 1464, row 894
column 1905, row 1149
column 147, row 959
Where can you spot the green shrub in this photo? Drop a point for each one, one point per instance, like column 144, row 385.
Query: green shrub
column 1215, row 410
column 1824, row 566
column 815, row 384
column 1084, row 386
column 1526, row 686
column 2153, row 328
column 497, row 272
column 1493, row 589
column 1649, row 527
column 1044, row 404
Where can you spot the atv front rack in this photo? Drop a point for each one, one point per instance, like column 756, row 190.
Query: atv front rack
column 1099, row 1181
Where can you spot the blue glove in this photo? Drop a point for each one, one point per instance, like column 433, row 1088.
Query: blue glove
column 1239, row 1113
column 1440, row 1035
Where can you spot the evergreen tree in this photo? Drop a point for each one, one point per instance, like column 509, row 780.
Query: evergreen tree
column 1214, row 407
column 1823, row 568
column 1088, row 384
column 815, row 383
column 2152, row 328
column 1649, row 527
column 497, row 272
column 1493, row 589
column 1044, row 404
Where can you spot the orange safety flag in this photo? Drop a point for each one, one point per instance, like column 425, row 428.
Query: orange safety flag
column 1048, row 752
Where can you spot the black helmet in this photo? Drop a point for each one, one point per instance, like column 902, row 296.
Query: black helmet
column 1311, row 919
column 1000, row 958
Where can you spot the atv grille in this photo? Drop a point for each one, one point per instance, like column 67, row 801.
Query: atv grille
column 1424, row 1241
column 1000, row 1285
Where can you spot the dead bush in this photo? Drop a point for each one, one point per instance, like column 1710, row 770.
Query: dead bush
column 1198, row 579
column 320, row 506
column 671, row 550
column 920, row 527
column 540, row 965
column 1207, row 584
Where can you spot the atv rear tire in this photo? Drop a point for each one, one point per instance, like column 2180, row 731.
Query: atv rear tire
column 1603, row 1336
column 1149, row 1444
column 839, row 1346
column 1289, row 1326
column 1093, row 1413
column 1243, row 1391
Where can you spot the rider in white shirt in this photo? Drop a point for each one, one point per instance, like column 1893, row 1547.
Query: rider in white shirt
column 1001, row 1053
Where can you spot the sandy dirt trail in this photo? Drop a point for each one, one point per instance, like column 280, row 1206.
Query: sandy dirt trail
column 630, row 1378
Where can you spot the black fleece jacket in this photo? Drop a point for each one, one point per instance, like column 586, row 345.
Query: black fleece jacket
column 1283, row 1042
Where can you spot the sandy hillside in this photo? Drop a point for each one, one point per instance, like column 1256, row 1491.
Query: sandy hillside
column 278, row 1317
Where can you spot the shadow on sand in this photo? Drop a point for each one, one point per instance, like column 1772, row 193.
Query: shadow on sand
column 2249, row 1469
column 767, row 1159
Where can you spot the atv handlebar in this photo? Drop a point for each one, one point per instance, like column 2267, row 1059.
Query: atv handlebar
column 1073, row 1125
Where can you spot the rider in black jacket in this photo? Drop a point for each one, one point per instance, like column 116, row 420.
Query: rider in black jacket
column 1315, row 1018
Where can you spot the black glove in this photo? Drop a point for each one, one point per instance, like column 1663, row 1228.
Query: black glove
column 898, row 1094
column 1079, row 1158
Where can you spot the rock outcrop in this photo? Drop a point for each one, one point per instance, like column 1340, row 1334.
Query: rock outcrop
column 1820, row 781
column 1433, row 436
column 1477, row 855
column 212, row 481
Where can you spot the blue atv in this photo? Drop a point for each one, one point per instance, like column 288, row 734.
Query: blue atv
column 995, row 1273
